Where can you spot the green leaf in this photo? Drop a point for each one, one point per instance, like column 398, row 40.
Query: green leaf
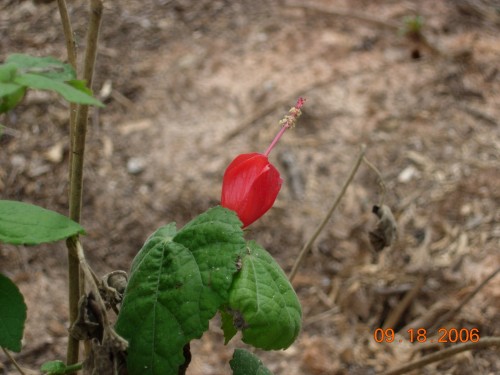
column 80, row 85
column 60, row 368
column 9, row 101
column 263, row 302
column 68, row 92
column 12, row 315
column 54, row 368
column 177, row 284
column 228, row 326
column 246, row 363
column 43, row 73
column 26, row 224
column 49, row 66
column 7, row 72
column 165, row 233
column 9, row 88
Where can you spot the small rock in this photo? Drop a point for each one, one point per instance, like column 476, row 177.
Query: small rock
column 136, row 165
column 55, row 153
column 408, row 174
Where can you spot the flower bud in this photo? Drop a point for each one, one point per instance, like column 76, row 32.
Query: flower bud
column 250, row 186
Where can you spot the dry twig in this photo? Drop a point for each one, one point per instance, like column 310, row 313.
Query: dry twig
column 315, row 235
column 335, row 11
column 485, row 342
column 12, row 359
column 450, row 314
column 395, row 315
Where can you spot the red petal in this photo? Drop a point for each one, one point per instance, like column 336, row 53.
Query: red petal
column 261, row 196
column 239, row 177
column 250, row 186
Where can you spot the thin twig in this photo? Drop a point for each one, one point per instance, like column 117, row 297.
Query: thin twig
column 11, row 358
column 450, row 314
column 380, row 180
column 335, row 11
column 76, row 178
column 396, row 314
column 309, row 243
column 484, row 342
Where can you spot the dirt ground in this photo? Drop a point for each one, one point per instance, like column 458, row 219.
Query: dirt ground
column 190, row 84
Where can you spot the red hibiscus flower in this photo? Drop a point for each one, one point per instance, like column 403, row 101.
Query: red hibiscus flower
column 251, row 183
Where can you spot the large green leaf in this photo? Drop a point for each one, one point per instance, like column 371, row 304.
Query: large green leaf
column 26, row 224
column 12, row 315
column 177, row 283
column 263, row 303
column 246, row 363
column 68, row 92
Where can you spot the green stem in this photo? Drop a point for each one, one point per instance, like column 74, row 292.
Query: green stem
column 72, row 53
column 73, row 368
column 76, row 177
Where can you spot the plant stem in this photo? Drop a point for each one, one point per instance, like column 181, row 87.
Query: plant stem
column 72, row 53
column 309, row 243
column 11, row 358
column 72, row 368
column 76, row 178
column 484, row 342
column 68, row 32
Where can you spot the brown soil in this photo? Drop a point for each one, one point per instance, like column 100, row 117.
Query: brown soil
column 194, row 83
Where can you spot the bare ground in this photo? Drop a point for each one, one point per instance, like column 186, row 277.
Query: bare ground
column 193, row 83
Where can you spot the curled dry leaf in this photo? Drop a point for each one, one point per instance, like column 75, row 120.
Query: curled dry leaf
column 112, row 288
column 88, row 324
column 385, row 231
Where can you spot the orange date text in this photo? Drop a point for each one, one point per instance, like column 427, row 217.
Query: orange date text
column 444, row 335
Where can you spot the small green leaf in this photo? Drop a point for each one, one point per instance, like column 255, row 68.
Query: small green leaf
column 246, row 363
column 60, row 368
column 9, row 101
column 68, row 92
column 9, row 88
column 177, row 284
column 227, row 325
column 263, row 302
column 54, row 368
column 80, row 85
column 12, row 315
column 7, row 72
column 26, row 224
column 49, row 66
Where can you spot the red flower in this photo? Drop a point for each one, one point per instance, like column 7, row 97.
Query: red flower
column 250, row 186
column 251, row 183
